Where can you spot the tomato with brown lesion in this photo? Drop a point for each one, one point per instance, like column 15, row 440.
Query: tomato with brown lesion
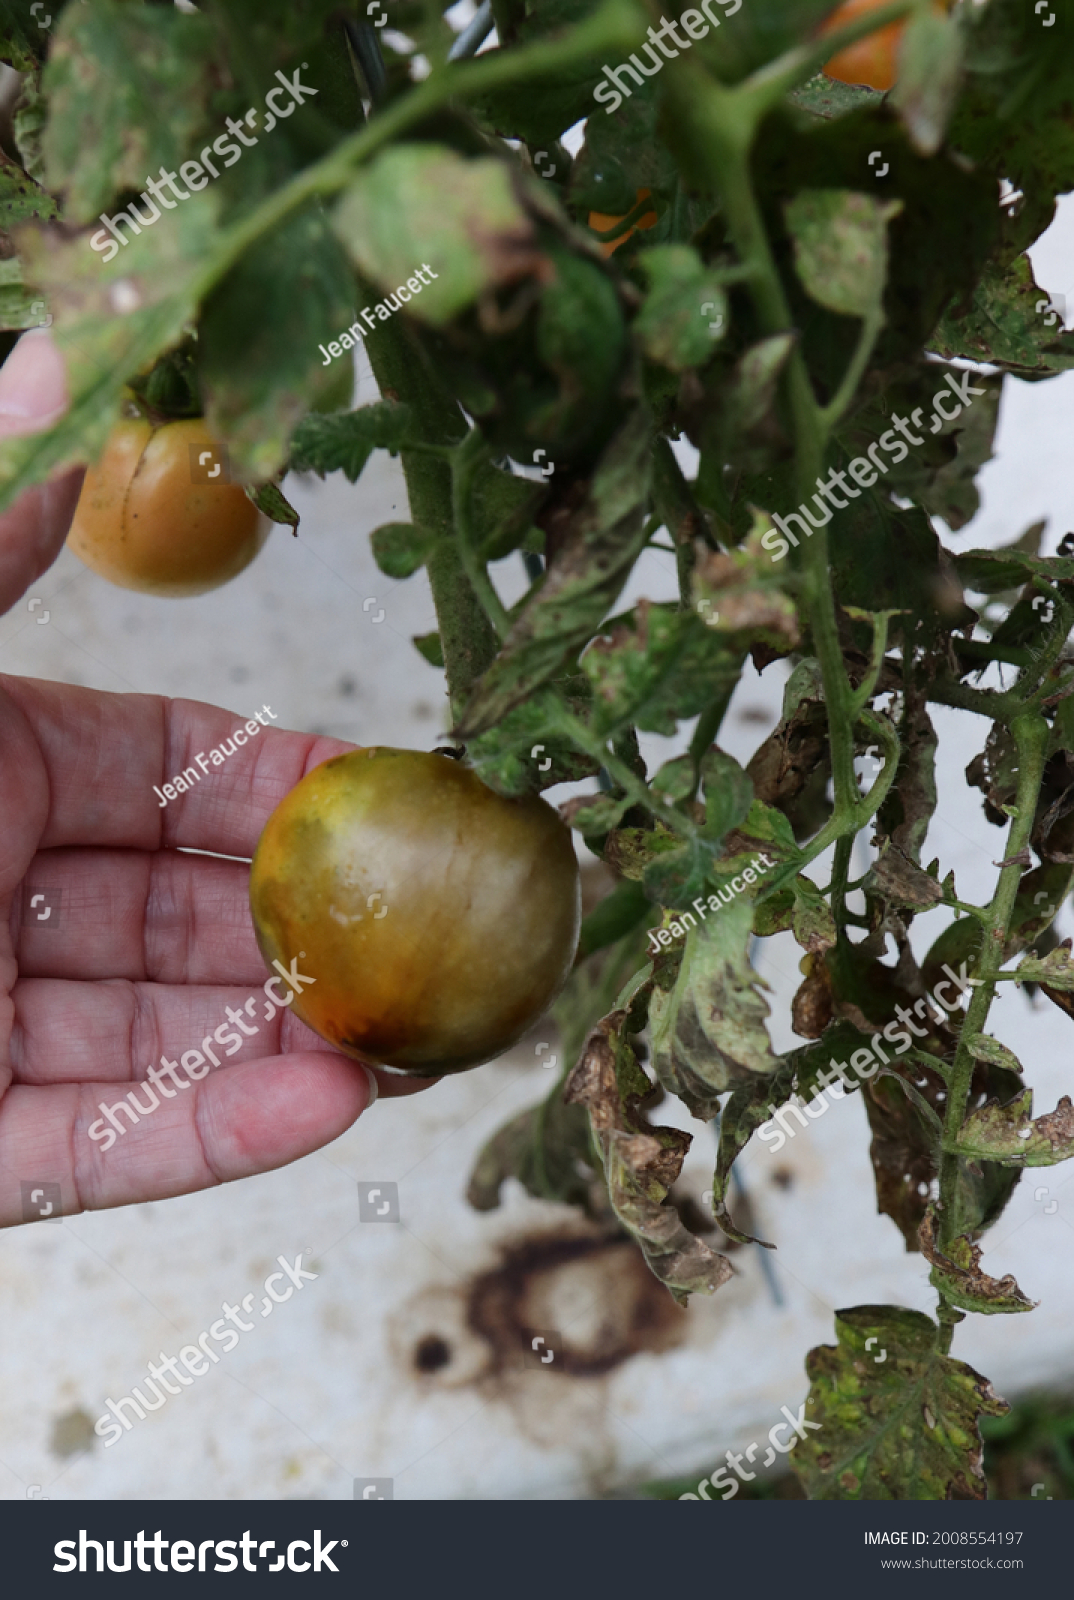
column 437, row 918
column 151, row 518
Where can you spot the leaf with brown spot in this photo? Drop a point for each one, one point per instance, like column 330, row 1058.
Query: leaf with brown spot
column 897, row 1419
column 1011, row 1135
column 641, row 1162
column 959, row 1278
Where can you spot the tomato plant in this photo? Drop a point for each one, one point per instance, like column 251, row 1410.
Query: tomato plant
column 788, row 385
column 440, row 919
column 152, row 517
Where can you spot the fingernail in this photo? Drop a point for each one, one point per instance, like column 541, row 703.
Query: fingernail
column 374, row 1086
column 33, row 385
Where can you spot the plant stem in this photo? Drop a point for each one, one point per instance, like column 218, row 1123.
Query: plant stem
column 466, row 459
column 1030, row 733
column 402, row 372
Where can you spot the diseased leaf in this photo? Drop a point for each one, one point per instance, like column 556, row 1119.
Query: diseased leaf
column 260, row 335
column 841, row 247
column 547, row 1149
column 708, row 1031
column 930, row 68
column 1011, row 322
column 585, row 577
column 898, row 1420
column 422, row 205
column 739, row 593
column 657, row 667
column 1010, row 1134
column 958, row 1276
column 641, row 1162
column 128, row 87
column 1055, row 971
column 525, row 751
column 685, row 313
column 110, row 320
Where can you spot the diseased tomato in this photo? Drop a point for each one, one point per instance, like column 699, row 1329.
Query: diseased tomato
column 602, row 222
column 437, row 919
column 873, row 61
column 146, row 521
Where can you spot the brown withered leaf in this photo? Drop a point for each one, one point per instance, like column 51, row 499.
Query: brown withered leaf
column 959, row 1277
column 641, row 1162
column 811, row 1008
column 900, row 881
column 903, row 1152
column 790, row 769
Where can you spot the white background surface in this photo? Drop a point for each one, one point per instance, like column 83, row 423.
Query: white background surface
column 326, row 1390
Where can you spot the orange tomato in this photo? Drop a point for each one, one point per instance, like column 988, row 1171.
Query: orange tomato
column 601, row 221
column 151, row 518
column 437, row 919
column 873, row 61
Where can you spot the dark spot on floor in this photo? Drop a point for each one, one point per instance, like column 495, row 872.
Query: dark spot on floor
column 432, row 1353
column 71, row 1433
column 593, row 1288
column 783, row 1178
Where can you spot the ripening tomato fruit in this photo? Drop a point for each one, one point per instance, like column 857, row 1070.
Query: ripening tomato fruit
column 602, row 222
column 873, row 61
column 151, row 518
column 437, row 919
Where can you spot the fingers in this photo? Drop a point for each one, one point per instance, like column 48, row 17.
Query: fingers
column 104, row 753
column 112, row 1032
column 253, row 1118
column 33, row 395
column 162, row 916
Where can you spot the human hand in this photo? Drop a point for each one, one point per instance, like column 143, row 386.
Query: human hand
column 142, row 947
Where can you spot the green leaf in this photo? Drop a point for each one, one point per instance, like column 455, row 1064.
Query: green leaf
column 1011, row 1135
column 930, row 69
column 344, row 442
column 641, row 1162
column 685, row 312
column 127, row 87
column 399, row 548
column 841, row 247
column 421, row 205
column 502, row 508
column 429, row 648
column 708, row 1031
column 958, row 1277
column 270, row 499
column 622, row 154
column 601, row 542
column 728, row 794
column 260, row 337
column 898, row 1420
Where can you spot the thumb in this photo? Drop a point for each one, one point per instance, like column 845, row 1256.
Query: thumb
column 33, row 395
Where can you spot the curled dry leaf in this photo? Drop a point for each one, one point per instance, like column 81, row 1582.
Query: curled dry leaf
column 958, row 1275
column 641, row 1162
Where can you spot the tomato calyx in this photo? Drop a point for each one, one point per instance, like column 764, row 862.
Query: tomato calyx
column 169, row 391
